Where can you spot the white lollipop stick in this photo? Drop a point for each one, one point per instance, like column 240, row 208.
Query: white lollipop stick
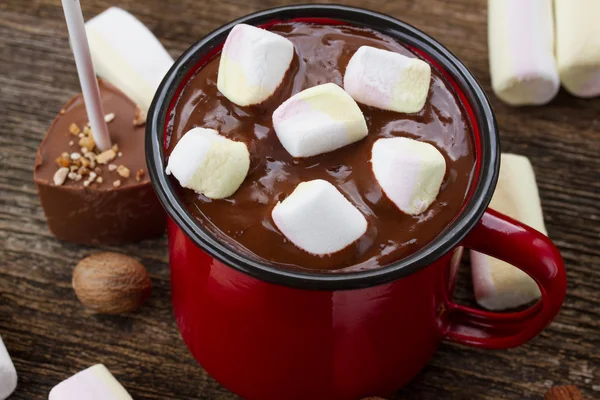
column 87, row 76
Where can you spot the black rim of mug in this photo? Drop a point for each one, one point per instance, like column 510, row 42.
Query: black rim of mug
column 404, row 33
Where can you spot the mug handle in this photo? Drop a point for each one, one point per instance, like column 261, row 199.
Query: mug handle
column 501, row 237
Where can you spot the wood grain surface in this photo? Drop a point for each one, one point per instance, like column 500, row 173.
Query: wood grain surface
column 50, row 336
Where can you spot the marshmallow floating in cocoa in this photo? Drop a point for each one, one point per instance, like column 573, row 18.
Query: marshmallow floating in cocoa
column 8, row 373
column 94, row 383
column 253, row 64
column 209, row 163
column 127, row 54
column 318, row 219
column 521, row 51
column 387, row 80
column 409, row 172
column 499, row 285
column 578, row 46
column 319, row 120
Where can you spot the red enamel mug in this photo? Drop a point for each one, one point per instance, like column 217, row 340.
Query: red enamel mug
column 269, row 333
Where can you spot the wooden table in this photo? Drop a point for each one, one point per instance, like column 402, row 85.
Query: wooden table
column 50, row 336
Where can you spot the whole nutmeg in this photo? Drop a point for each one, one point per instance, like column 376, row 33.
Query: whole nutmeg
column 111, row 283
column 569, row 392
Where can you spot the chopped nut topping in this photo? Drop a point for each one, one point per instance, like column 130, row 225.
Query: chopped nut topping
column 63, row 162
column 87, row 143
column 139, row 175
column 108, row 118
column 92, row 157
column 106, row 156
column 83, row 171
column 123, row 171
column 74, row 176
column 89, row 180
column 60, row 176
column 62, row 111
column 140, row 117
column 74, row 129
column 86, row 164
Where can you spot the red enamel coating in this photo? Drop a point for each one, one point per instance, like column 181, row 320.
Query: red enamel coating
column 266, row 341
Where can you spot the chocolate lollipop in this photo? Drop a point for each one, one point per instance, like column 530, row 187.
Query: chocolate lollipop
column 90, row 169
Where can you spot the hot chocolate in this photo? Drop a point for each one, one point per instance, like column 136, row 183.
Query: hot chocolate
column 244, row 220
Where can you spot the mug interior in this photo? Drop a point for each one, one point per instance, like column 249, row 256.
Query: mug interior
column 472, row 99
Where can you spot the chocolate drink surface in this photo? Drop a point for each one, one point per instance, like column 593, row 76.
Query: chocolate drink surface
column 116, row 204
column 244, row 221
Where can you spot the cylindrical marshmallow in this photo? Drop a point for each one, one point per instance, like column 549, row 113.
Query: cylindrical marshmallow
column 578, row 46
column 521, row 51
column 253, row 64
column 318, row 219
column 318, row 120
column 209, row 163
column 127, row 54
column 8, row 373
column 409, row 172
column 387, row 80
column 499, row 285
column 94, row 383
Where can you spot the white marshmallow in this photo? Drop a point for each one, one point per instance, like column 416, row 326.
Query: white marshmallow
column 521, row 51
column 127, row 54
column 319, row 120
column 253, row 64
column 409, row 172
column 387, row 80
column 8, row 373
column 578, row 46
column 209, row 163
column 318, row 219
column 94, row 383
column 499, row 285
